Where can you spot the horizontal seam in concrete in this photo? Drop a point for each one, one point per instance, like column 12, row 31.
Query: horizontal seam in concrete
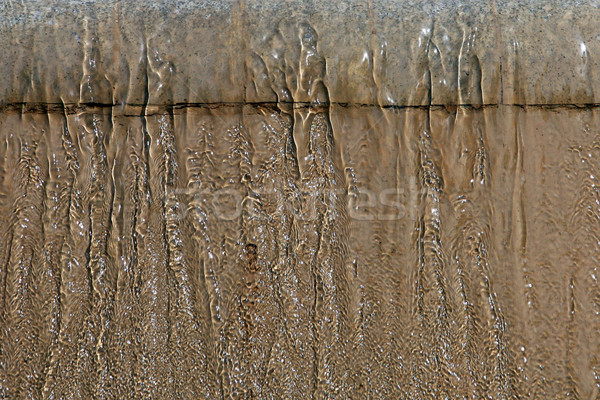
column 149, row 109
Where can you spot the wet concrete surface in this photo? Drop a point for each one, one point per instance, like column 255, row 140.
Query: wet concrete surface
column 269, row 200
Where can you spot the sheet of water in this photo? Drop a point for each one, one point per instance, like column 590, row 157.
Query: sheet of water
column 271, row 200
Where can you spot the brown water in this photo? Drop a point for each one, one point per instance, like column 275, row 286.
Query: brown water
column 342, row 230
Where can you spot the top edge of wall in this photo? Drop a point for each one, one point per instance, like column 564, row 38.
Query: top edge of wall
column 380, row 52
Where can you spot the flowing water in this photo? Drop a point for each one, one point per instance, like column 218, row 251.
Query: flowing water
column 305, row 200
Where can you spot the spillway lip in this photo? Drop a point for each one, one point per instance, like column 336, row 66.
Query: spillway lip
column 230, row 53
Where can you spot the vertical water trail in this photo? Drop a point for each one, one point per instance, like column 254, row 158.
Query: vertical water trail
column 198, row 149
column 23, row 272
